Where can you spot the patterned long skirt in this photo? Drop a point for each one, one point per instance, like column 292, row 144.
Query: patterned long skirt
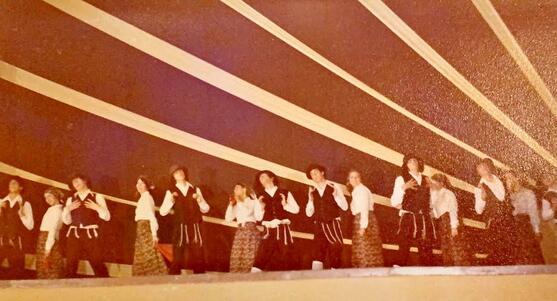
column 528, row 247
column 455, row 251
column 147, row 261
column 367, row 249
column 51, row 267
column 244, row 248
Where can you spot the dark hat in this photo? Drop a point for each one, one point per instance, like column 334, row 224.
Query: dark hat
column 314, row 166
column 177, row 167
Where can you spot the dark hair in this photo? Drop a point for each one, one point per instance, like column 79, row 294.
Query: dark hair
column 82, row 177
column 57, row 193
column 443, row 179
column 313, row 166
column 147, row 182
column 19, row 181
column 408, row 157
column 488, row 163
column 243, row 186
column 258, row 187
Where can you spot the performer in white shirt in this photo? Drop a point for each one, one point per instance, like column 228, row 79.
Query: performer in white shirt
column 273, row 208
column 445, row 213
column 49, row 260
column 326, row 201
column 548, row 226
column 246, row 239
column 411, row 196
column 147, row 260
column 83, row 213
column 491, row 201
column 16, row 218
column 189, row 205
column 367, row 249
column 527, row 221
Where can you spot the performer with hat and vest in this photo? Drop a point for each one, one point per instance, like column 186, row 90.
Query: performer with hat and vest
column 326, row 201
column 189, row 205
column 83, row 213
column 16, row 218
column 273, row 206
column 411, row 195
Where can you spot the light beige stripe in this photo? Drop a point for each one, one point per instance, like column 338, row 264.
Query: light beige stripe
column 412, row 39
column 143, row 124
column 496, row 23
column 256, row 17
column 230, row 83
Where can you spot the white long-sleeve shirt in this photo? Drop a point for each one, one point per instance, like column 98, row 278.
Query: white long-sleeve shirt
column 243, row 212
column 103, row 212
column 52, row 223
column 362, row 203
column 27, row 219
column 338, row 195
column 290, row 206
column 145, row 211
column 547, row 211
column 168, row 201
column 443, row 201
column 398, row 191
column 496, row 187
column 524, row 202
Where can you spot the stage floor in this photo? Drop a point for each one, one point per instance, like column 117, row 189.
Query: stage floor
column 404, row 283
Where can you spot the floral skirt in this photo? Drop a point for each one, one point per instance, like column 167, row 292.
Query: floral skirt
column 367, row 248
column 147, row 260
column 51, row 267
column 244, row 248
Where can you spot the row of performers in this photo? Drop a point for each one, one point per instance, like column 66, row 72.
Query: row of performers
column 427, row 209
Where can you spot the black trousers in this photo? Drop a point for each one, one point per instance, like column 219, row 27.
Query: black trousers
column 328, row 243
column 83, row 245
column 415, row 229
column 11, row 249
column 187, row 242
column 275, row 250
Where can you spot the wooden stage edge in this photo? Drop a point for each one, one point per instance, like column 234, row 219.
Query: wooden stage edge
column 403, row 283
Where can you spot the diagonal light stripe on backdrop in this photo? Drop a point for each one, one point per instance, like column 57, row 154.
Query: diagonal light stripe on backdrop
column 496, row 23
column 148, row 126
column 230, row 83
column 256, row 17
column 422, row 48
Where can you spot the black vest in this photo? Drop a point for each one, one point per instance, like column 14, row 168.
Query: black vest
column 416, row 200
column 273, row 205
column 494, row 208
column 83, row 215
column 326, row 208
column 186, row 208
column 10, row 223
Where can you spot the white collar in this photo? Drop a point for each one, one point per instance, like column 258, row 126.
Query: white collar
column 271, row 190
column 184, row 185
column 12, row 201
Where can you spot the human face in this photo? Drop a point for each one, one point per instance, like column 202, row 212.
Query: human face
column 354, row 178
column 413, row 165
column 239, row 191
column 14, row 187
column 179, row 175
column 317, row 176
column 50, row 199
column 511, row 181
column 266, row 180
column 483, row 170
column 79, row 184
column 141, row 186
column 434, row 185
